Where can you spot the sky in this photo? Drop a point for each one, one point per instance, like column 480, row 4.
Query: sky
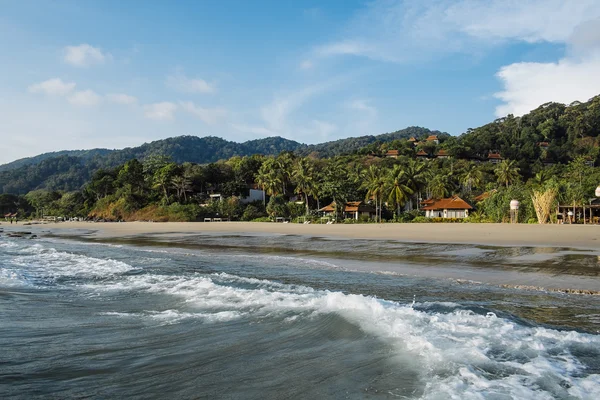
column 78, row 74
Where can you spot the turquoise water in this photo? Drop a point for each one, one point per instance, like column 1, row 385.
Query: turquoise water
column 271, row 317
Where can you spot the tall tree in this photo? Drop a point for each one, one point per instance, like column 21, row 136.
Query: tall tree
column 303, row 178
column 507, row 172
column 374, row 182
column 399, row 192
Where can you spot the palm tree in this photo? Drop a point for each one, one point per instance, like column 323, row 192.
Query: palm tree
column 439, row 186
column 507, row 172
column 182, row 185
column 399, row 191
column 303, row 177
column 374, row 182
column 415, row 177
column 471, row 177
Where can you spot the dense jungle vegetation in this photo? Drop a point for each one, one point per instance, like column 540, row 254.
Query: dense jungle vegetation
column 554, row 146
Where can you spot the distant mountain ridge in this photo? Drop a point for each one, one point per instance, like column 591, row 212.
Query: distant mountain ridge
column 69, row 170
column 209, row 149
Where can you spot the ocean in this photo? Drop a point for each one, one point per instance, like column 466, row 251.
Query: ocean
column 292, row 317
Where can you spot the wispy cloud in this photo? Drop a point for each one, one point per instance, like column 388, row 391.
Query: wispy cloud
column 306, row 65
column 211, row 116
column 363, row 106
column 85, row 98
column 85, row 55
column 402, row 30
column 121, row 98
column 53, row 87
column 182, row 83
column 160, row 111
column 573, row 77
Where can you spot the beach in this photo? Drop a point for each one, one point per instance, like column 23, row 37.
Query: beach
column 572, row 236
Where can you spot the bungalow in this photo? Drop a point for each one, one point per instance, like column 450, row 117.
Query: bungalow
column 442, row 154
column 353, row 209
column 422, row 155
column 434, row 139
column 413, row 140
column 453, row 207
column 495, row 158
column 392, row 154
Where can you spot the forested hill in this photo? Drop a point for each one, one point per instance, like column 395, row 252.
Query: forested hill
column 68, row 170
column 83, row 154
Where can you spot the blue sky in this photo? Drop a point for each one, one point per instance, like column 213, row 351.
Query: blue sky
column 82, row 74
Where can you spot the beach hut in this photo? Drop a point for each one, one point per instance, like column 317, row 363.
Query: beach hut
column 353, row 210
column 452, row 207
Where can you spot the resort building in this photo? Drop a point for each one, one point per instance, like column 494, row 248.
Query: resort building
column 421, row 155
column 453, row 207
column 392, row 154
column 353, row 209
column 442, row 154
column 434, row 139
column 494, row 158
column 413, row 140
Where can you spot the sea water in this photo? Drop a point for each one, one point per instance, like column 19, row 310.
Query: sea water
column 276, row 317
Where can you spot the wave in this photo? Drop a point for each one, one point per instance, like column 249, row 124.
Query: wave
column 459, row 353
column 34, row 264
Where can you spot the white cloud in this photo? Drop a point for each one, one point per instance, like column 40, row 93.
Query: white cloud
column 402, row 30
column 184, row 84
column 84, row 55
column 121, row 98
column 85, row 98
column 209, row 115
column 160, row 111
column 574, row 77
column 54, row 87
column 527, row 85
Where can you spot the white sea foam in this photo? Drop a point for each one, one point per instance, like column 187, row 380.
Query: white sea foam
column 38, row 261
column 460, row 354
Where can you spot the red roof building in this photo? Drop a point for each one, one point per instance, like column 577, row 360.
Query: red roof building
column 433, row 138
column 422, row 155
column 452, row 207
column 353, row 209
column 495, row 158
column 442, row 154
column 392, row 153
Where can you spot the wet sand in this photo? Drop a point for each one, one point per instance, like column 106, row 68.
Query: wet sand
column 572, row 236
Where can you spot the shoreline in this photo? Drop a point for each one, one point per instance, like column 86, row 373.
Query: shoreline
column 502, row 235
column 511, row 275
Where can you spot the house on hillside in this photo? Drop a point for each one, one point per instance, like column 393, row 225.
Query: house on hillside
column 392, row 154
column 434, row 139
column 422, row 155
column 453, row 207
column 413, row 140
column 442, row 154
column 494, row 158
column 353, row 209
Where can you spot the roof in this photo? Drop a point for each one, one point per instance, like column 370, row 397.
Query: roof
column 543, row 144
column 432, row 137
column 442, row 153
column 351, row 206
column 451, row 203
column 422, row 153
column 412, row 139
column 495, row 156
column 392, row 153
column 484, row 195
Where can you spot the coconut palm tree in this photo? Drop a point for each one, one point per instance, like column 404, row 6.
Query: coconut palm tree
column 471, row 177
column 439, row 186
column 268, row 179
column 507, row 172
column 374, row 182
column 182, row 185
column 416, row 175
column 303, row 178
column 399, row 192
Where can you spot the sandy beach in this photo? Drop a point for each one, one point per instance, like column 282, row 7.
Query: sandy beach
column 575, row 236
